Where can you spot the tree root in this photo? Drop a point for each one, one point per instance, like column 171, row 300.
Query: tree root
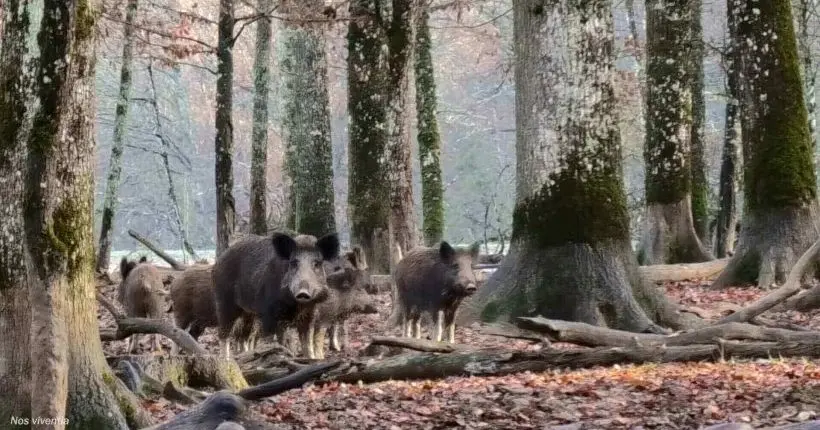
column 669, row 235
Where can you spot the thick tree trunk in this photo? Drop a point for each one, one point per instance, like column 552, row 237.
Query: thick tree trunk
column 120, row 130
column 400, row 41
column 568, row 175
column 166, row 164
column 669, row 235
column 780, row 197
column 307, row 127
column 70, row 378
column 223, row 146
column 432, row 190
column 700, row 185
column 259, row 144
column 368, row 190
column 803, row 12
column 15, row 310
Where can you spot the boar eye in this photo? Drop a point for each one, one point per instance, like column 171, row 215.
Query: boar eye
column 294, row 263
column 317, row 264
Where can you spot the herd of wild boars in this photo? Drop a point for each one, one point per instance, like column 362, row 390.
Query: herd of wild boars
column 267, row 285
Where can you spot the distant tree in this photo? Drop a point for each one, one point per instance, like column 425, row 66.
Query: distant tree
column 700, row 185
column 669, row 235
column 15, row 310
column 223, row 146
column 259, row 158
column 118, row 141
column 780, row 193
column 306, row 123
column 570, row 255
column 804, row 10
column 400, row 43
column 70, row 377
column 429, row 139
column 368, row 190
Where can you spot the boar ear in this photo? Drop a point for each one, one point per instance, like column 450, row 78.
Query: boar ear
column 143, row 259
column 124, row 267
column 283, row 245
column 446, row 252
column 329, row 246
column 475, row 248
column 353, row 259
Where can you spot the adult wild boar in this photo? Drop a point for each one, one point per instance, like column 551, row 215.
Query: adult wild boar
column 140, row 293
column 277, row 279
column 433, row 281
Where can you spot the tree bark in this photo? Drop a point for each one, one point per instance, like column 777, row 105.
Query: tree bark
column 120, row 131
column 69, row 378
column 700, row 185
column 223, row 146
column 15, row 309
column 307, row 126
column 429, row 139
column 368, row 189
column 726, row 222
column 400, row 40
column 259, row 144
column 780, row 194
column 669, row 235
column 803, row 12
column 568, row 175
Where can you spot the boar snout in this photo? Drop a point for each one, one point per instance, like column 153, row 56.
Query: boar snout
column 303, row 292
column 466, row 287
column 470, row 288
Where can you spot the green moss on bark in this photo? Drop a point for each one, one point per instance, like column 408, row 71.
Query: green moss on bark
column 429, row 139
column 668, row 100
column 700, row 186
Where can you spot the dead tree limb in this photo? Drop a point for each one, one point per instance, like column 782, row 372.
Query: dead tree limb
column 594, row 336
column 422, row 345
column 791, row 287
column 806, row 301
column 510, row 331
column 682, row 272
column 129, row 326
column 176, row 265
column 289, row 382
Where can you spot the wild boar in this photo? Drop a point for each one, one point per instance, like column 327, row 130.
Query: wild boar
column 433, row 281
column 140, row 293
column 278, row 279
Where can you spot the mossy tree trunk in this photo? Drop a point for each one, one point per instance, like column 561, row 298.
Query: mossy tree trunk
column 780, row 195
column 368, row 190
column 669, row 234
column 120, row 130
column 804, row 9
column 70, row 377
column 700, row 185
column 400, row 43
column 570, row 255
column 223, row 145
column 726, row 221
column 15, row 310
column 307, row 126
column 429, row 139
column 259, row 144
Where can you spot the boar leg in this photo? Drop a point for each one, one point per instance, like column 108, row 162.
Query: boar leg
column 225, row 348
column 334, row 337
column 439, row 326
column 417, row 327
column 406, row 327
column 450, row 324
column 343, row 334
column 319, row 342
column 133, row 343
column 306, row 339
column 157, row 343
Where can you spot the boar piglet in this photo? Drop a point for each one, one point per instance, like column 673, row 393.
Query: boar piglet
column 140, row 294
column 277, row 279
column 347, row 295
column 433, row 281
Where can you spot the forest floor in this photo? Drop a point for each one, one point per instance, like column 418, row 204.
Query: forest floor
column 652, row 396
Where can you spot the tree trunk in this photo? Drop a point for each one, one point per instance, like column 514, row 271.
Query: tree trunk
column 70, row 378
column 400, row 41
column 726, row 221
column 120, row 130
column 259, row 159
column 700, row 185
column 432, row 191
column 568, row 175
column 223, row 146
column 803, row 12
column 368, row 190
column 307, row 127
column 779, row 182
column 669, row 235
column 15, row 310
column 166, row 146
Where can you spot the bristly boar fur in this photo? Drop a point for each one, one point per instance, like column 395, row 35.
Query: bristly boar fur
column 140, row 294
column 432, row 281
column 278, row 279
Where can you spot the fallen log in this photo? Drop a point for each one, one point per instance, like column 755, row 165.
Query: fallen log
column 413, row 366
column 423, row 345
column 682, row 272
column 789, row 288
column 594, row 336
column 806, row 301
column 176, row 265
column 202, row 371
column 509, row 331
